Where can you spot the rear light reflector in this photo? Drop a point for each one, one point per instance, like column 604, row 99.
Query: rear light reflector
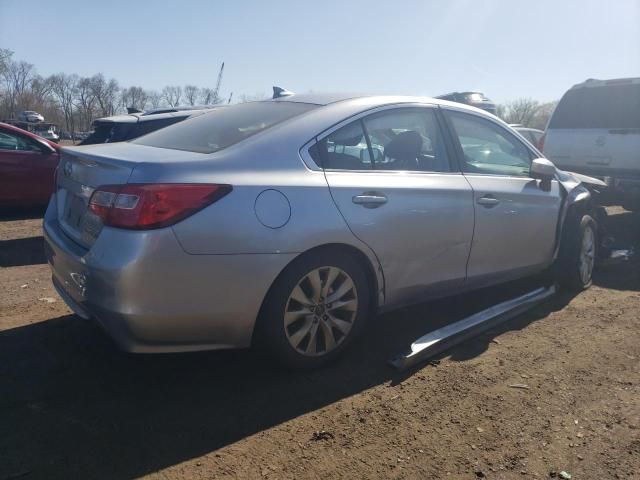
column 156, row 205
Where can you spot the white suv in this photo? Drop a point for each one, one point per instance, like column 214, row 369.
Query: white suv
column 595, row 130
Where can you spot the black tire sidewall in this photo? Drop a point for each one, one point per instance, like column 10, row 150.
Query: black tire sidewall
column 570, row 252
column 272, row 335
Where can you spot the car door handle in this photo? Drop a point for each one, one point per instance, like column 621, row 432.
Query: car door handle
column 370, row 200
column 488, row 201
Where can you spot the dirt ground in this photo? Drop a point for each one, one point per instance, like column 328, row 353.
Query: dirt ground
column 73, row 406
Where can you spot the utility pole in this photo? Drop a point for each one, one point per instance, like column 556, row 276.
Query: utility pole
column 217, row 90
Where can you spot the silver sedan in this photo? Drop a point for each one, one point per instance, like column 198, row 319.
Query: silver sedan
column 290, row 222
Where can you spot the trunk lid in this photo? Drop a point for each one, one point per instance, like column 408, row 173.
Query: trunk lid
column 78, row 175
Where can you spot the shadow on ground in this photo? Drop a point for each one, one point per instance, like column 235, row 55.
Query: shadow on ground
column 73, row 406
column 22, row 251
column 21, row 213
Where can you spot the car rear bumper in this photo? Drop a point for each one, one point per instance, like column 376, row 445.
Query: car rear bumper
column 151, row 296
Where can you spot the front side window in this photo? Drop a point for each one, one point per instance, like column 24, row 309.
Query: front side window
column 9, row 141
column 488, row 148
column 407, row 139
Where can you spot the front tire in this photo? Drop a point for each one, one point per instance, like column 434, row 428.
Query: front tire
column 578, row 251
column 315, row 310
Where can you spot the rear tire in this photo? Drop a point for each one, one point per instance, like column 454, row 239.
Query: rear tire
column 315, row 310
column 576, row 260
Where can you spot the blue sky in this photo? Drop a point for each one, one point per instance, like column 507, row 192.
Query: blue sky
column 508, row 49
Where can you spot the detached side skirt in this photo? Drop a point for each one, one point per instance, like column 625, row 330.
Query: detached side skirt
column 439, row 340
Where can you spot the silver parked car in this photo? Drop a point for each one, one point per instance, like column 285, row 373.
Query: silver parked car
column 289, row 222
column 30, row 116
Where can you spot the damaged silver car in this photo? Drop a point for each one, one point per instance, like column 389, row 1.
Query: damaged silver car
column 290, row 222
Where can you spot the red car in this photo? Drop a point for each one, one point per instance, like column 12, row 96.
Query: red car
column 27, row 166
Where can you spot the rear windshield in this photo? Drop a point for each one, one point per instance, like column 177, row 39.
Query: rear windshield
column 610, row 106
column 223, row 127
column 108, row 132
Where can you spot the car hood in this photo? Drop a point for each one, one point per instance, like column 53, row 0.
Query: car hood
column 571, row 180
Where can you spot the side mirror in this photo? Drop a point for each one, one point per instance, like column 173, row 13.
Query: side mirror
column 544, row 170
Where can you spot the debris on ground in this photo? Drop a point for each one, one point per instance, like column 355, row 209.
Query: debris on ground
column 322, row 435
column 564, row 475
column 519, row 385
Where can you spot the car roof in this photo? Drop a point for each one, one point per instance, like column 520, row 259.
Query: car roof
column 319, row 98
column 373, row 100
column 593, row 82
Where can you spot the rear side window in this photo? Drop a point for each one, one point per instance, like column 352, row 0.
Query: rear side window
column 223, row 127
column 109, row 132
column 609, row 106
column 404, row 139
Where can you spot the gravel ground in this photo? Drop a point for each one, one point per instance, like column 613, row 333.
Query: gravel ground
column 73, row 406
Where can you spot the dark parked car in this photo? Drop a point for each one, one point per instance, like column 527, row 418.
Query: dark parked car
column 475, row 99
column 27, row 166
column 120, row 128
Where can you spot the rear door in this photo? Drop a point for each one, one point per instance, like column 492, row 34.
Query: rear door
column 391, row 176
column 515, row 219
column 596, row 129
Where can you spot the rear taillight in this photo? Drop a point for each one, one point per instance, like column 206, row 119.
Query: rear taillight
column 156, row 205
column 541, row 142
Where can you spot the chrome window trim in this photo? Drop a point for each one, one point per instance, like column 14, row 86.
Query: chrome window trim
column 312, row 165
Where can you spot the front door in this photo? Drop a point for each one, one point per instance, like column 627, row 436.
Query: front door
column 391, row 177
column 515, row 219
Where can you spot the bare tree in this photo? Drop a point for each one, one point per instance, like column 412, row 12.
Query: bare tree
column 85, row 102
column 63, row 90
column 134, row 97
column 5, row 58
column 172, row 95
column 543, row 115
column 521, row 110
column 527, row 112
column 155, row 98
column 106, row 94
column 191, row 94
column 17, row 78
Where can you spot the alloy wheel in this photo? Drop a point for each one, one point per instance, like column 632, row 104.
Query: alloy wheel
column 320, row 311
column 587, row 254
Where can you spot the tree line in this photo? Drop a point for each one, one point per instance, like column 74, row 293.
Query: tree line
column 73, row 101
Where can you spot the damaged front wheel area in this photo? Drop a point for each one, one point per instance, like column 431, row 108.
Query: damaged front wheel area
column 578, row 250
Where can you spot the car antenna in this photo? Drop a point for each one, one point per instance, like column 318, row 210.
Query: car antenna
column 279, row 92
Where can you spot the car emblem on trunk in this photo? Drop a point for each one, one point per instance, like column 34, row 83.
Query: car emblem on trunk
column 68, row 169
column 600, row 141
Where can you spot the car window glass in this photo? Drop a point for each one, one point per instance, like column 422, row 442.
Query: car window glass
column 8, row 141
column 407, row 139
column 344, row 149
column 609, row 106
column 489, row 148
column 223, row 127
column 144, row 127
